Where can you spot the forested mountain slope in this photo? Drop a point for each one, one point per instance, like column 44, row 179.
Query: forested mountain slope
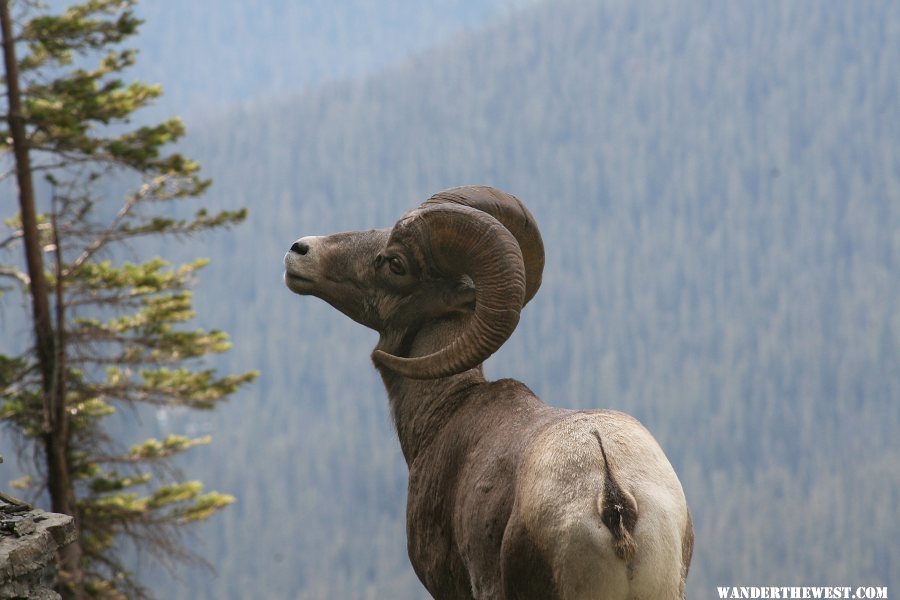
column 718, row 185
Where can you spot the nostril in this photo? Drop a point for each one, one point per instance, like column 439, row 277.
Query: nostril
column 300, row 247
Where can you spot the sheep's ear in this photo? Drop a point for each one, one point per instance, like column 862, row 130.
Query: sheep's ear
column 461, row 297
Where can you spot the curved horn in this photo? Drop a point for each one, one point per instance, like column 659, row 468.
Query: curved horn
column 454, row 240
column 510, row 211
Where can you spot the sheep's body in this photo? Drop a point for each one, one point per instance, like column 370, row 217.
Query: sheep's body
column 508, row 498
column 505, row 494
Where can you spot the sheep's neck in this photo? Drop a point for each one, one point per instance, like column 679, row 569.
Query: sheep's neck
column 421, row 408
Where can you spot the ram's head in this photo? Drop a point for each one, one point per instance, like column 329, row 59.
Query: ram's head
column 472, row 251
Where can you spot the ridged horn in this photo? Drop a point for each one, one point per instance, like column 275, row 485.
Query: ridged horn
column 510, row 211
column 455, row 240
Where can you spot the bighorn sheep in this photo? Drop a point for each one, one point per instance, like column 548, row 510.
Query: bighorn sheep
column 508, row 498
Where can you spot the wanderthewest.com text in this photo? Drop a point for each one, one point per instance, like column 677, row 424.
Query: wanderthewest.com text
column 781, row 592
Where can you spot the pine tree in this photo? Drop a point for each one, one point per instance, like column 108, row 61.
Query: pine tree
column 107, row 333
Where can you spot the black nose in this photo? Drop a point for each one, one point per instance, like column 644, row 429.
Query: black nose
column 300, row 248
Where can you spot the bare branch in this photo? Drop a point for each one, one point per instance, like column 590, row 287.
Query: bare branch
column 124, row 299
column 109, row 233
column 16, row 236
column 14, row 273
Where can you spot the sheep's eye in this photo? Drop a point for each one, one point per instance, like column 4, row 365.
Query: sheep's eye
column 396, row 266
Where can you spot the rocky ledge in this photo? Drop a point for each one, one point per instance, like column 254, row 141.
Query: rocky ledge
column 29, row 539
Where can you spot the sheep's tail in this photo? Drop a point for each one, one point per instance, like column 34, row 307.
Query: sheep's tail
column 618, row 510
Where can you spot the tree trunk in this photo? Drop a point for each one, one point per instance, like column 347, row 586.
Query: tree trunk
column 55, row 419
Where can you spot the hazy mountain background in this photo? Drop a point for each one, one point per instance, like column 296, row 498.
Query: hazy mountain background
column 212, row 54
column 718, row 186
